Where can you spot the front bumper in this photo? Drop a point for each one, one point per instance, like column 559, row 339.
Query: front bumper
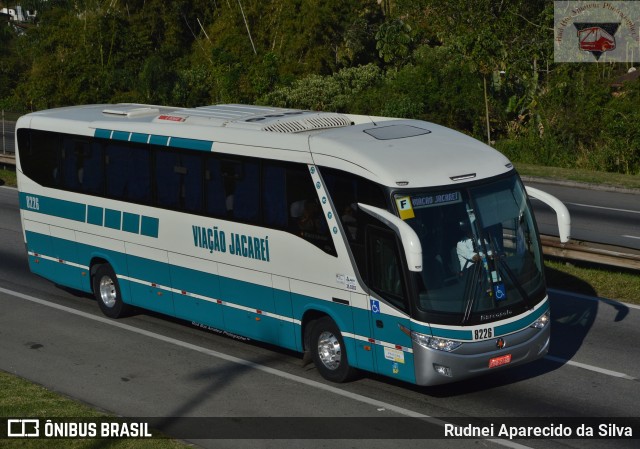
column 472, row 358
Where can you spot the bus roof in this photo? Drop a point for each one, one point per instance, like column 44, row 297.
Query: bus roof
column 392, row 152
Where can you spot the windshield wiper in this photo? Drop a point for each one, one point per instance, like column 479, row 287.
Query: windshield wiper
column 471, row 289
column 514, row 280
column 499, row 260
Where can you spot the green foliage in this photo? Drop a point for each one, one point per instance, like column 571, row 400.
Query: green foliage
column 393, row 41
column 331, row 93
column 424, row 59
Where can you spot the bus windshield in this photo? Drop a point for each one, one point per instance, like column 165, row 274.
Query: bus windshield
column 481, row 253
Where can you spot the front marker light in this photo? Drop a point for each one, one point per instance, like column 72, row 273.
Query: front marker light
column 542, row 321
column 440, row 344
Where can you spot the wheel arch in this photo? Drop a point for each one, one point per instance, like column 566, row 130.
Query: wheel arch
column 344, row 321
column 99, row 259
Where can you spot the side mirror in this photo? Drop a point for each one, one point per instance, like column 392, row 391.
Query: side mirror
column 562, row 213
column 410, row 241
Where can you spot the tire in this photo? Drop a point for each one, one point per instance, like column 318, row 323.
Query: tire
column 328, row 351
column 107, row 292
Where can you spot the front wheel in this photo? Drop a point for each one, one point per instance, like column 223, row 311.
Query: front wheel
column 107, row 292
column 328, row 351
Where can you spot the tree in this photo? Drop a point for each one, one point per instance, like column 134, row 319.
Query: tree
column 393, row 41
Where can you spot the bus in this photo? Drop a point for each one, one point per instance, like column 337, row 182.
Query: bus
column 398, row 247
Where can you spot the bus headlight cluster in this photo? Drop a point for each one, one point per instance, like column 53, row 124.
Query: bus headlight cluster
column 440, row 344
column 542, row 321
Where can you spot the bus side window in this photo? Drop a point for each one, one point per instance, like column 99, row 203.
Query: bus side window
column 274, row 196
column 72, row 164
column 190, row 170
column 246, row 193
column 81, row 166
column 306, row 218
column 215, row 198
column 93, row 169
column 347, row 190
column 128, row 174
column 178, row 181
column 117, row 168
column 39, row 156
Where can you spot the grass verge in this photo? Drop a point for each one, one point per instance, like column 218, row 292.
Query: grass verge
column 583, row 176
column 21, row 399
column 7, row 177
column 608, row 282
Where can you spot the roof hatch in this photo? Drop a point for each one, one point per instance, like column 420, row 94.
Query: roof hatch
column 131, row 111
column 396, row 132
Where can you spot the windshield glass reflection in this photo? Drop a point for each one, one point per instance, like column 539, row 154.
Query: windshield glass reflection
column 480, row 248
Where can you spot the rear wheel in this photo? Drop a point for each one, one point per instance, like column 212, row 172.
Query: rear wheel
column 107, row 292
column 329, row 352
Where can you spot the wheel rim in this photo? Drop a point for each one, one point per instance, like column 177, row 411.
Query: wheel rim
column 108, row 291
column 329, row 350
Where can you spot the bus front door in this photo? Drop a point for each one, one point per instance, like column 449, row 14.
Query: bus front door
column 388, row 305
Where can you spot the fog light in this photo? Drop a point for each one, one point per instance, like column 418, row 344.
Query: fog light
column 444, row 370
column 542, row 321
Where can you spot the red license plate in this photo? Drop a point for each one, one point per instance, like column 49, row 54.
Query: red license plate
column 499, row 361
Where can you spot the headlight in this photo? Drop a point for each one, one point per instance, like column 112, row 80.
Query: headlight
column 542, row 321
column 440, row 344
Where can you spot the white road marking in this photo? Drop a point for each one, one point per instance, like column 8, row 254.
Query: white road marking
column 631, row 236
column 312, row 383
column 597, row 369
column 605, row 208
column 584, row 365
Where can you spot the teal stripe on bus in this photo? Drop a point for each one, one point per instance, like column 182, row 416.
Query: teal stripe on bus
column 131, row 223
column 102, row 133
column 139, row 138
column 451, row 333
column 95, row 215
column 121, row 135
column 149, row 226
column 159, row 140
column 191, row 144
column 110, row 218
column 233, row 291
column 521, row 323
column 53, row 206
column 153, row 139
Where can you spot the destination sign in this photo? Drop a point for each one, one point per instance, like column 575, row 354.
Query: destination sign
column 439, row 199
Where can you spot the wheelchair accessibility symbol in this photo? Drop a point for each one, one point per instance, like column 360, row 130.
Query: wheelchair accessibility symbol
column 500, row 292
column 375, row 306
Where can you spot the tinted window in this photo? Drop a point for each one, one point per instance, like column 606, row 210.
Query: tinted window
column 275, row 194
column 179, row 180
column 128, row 174
column 385, row 272
column 82, row 165
column 39, row 154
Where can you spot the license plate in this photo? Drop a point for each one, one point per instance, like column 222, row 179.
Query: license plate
column 499, row 361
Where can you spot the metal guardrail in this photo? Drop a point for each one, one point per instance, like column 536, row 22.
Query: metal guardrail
column 9, row 159
column 7, row 132
column 596, row 253
column 7, row 138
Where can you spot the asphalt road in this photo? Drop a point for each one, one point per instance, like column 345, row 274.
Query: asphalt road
column 599, row 216
column 150, row 366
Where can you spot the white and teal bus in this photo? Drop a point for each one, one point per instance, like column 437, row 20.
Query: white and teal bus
column 393, row 246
